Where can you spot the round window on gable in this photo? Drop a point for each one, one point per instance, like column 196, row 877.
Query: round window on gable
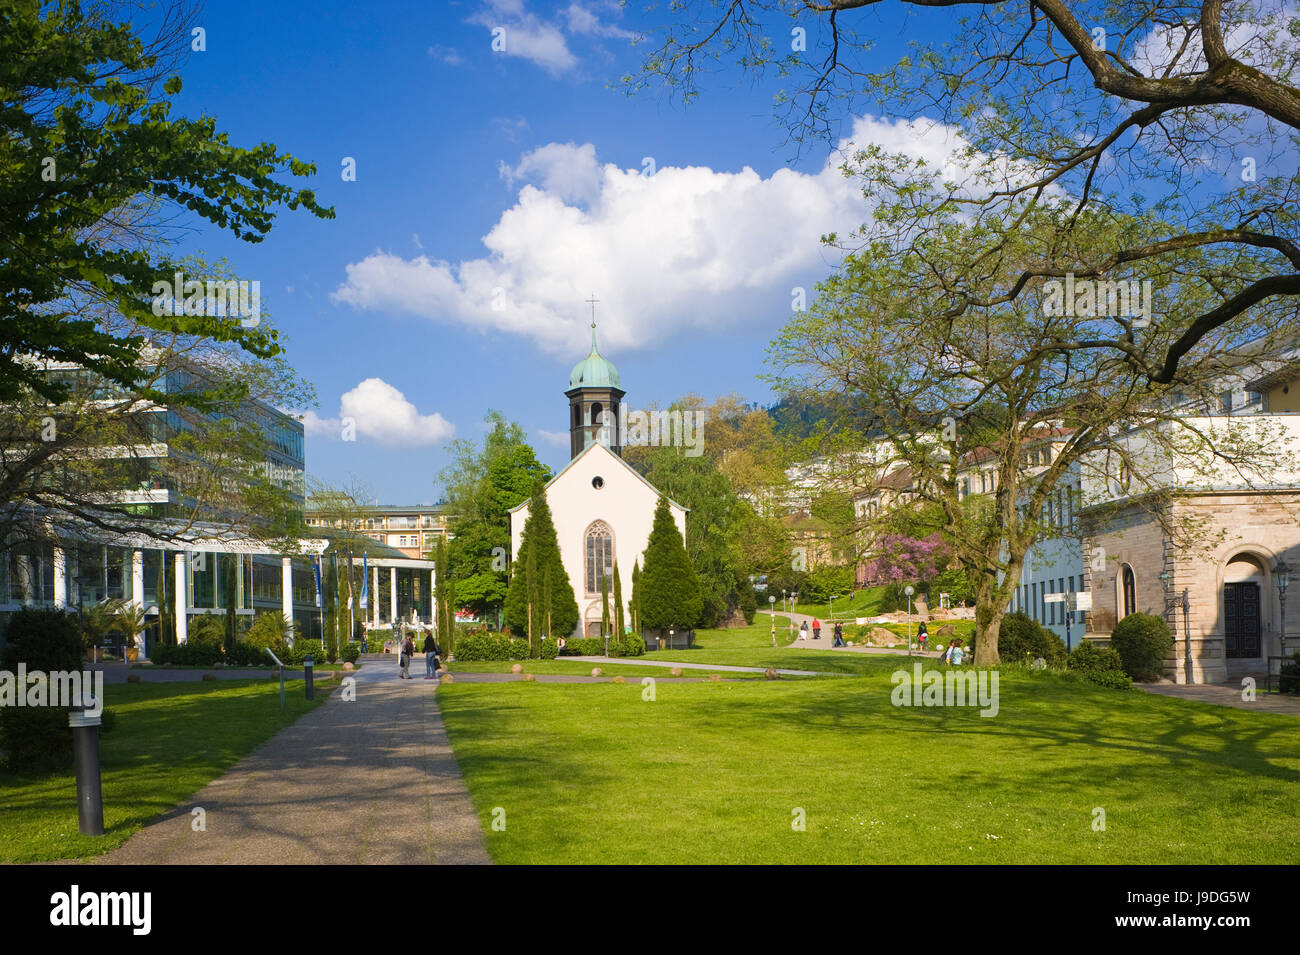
column 598, row 482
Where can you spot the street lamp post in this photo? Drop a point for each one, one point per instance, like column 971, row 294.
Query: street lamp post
column 909, row 591
column 1187, row 636
column 1282, row 577
column 771, row 602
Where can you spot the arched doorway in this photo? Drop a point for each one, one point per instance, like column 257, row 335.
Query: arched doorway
column 1243, row 590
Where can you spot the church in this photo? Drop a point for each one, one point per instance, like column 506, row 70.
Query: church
column 602, row 508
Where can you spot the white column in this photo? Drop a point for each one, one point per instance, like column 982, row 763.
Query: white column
column 60, row 578
column 374, row 595
column 137, row 578
column 181, row 604
column 392, row 594
column 286, row 588
column 239, row 581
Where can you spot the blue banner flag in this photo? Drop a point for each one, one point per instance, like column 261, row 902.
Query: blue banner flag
column 365, row 583
column 315, row 566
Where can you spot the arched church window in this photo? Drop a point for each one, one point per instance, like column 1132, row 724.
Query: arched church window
column 599, row 554
column 1128, row 592
column 596, row 409
column 577, row 416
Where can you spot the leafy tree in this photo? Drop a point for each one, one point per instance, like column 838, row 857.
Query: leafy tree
column 1099, row 102
column 482, row 485
column 923, row 405
column 669, row 591
column 91, row 160
column 540, row 548
column 712, row 524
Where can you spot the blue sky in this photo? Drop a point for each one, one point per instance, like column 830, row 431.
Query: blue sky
column 495, row 191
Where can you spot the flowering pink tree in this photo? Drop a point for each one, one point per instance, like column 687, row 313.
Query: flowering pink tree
column 899, row 557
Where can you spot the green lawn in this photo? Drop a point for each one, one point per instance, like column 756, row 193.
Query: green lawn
column 170, row 740
column 714, row 772
column 861, row 603
column 579, row 668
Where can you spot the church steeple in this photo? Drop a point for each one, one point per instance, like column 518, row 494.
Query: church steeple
column 595, row 391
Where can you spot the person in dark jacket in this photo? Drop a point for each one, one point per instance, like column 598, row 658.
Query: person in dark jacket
column 431, row 654
column 839, row 636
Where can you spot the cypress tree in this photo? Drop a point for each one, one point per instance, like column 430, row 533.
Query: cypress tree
column 604, row 605
column 451, row 616
column 166, row 629
column 540, row 541
column 636, row 613
column 546, row 606
column 669, row 593
column 534, row 599
column 229, row 583
column 440, row 594
column 618, row 604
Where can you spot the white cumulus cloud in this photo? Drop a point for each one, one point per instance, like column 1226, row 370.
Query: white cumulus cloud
column 376, row 410
column 683, row 248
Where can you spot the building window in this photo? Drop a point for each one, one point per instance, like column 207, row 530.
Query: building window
column 599, row 552
column 1128, row 592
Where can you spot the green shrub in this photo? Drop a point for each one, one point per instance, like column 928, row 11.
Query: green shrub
column 1087, row 657
column 350, row 652
column 1099, row 665
column 1116, row 680
column 585, row 647
column 629, row 646
column 1143, row 641
column 207, row 629
column 268, row 630
column 187, row 654
column 549, row 650
column 1022, row 637
column 490, row 646
column 38, row 739
column 748, row 603
column 245, row 655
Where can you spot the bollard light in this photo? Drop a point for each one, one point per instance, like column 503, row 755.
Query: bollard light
column 308, row 668
column 85, row 750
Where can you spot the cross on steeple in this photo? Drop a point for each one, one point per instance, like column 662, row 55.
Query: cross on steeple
column 592, row 302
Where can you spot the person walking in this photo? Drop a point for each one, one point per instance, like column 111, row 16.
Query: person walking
column 839, row 636
column 922, row 634
column 817, row 629
column 431, row 654
column 803, row 630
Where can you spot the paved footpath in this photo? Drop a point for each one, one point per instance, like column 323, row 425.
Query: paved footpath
column 1227, row 695
column 372, row 781
column 827, row 638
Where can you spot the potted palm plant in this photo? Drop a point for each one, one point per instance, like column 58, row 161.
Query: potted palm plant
column 130, row 619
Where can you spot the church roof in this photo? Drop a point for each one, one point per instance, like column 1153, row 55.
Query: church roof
column 588, row 450
column 594, row 371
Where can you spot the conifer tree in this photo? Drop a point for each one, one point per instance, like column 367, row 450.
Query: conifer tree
column 636, row 580
column 604, row 606
column 546, row 606
column 618, row 604
column 539, row 540
column 669, row 593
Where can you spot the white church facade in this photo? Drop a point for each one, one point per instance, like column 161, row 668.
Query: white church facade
column 603, row 509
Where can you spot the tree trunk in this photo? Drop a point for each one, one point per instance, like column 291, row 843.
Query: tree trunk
column 989, row 611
